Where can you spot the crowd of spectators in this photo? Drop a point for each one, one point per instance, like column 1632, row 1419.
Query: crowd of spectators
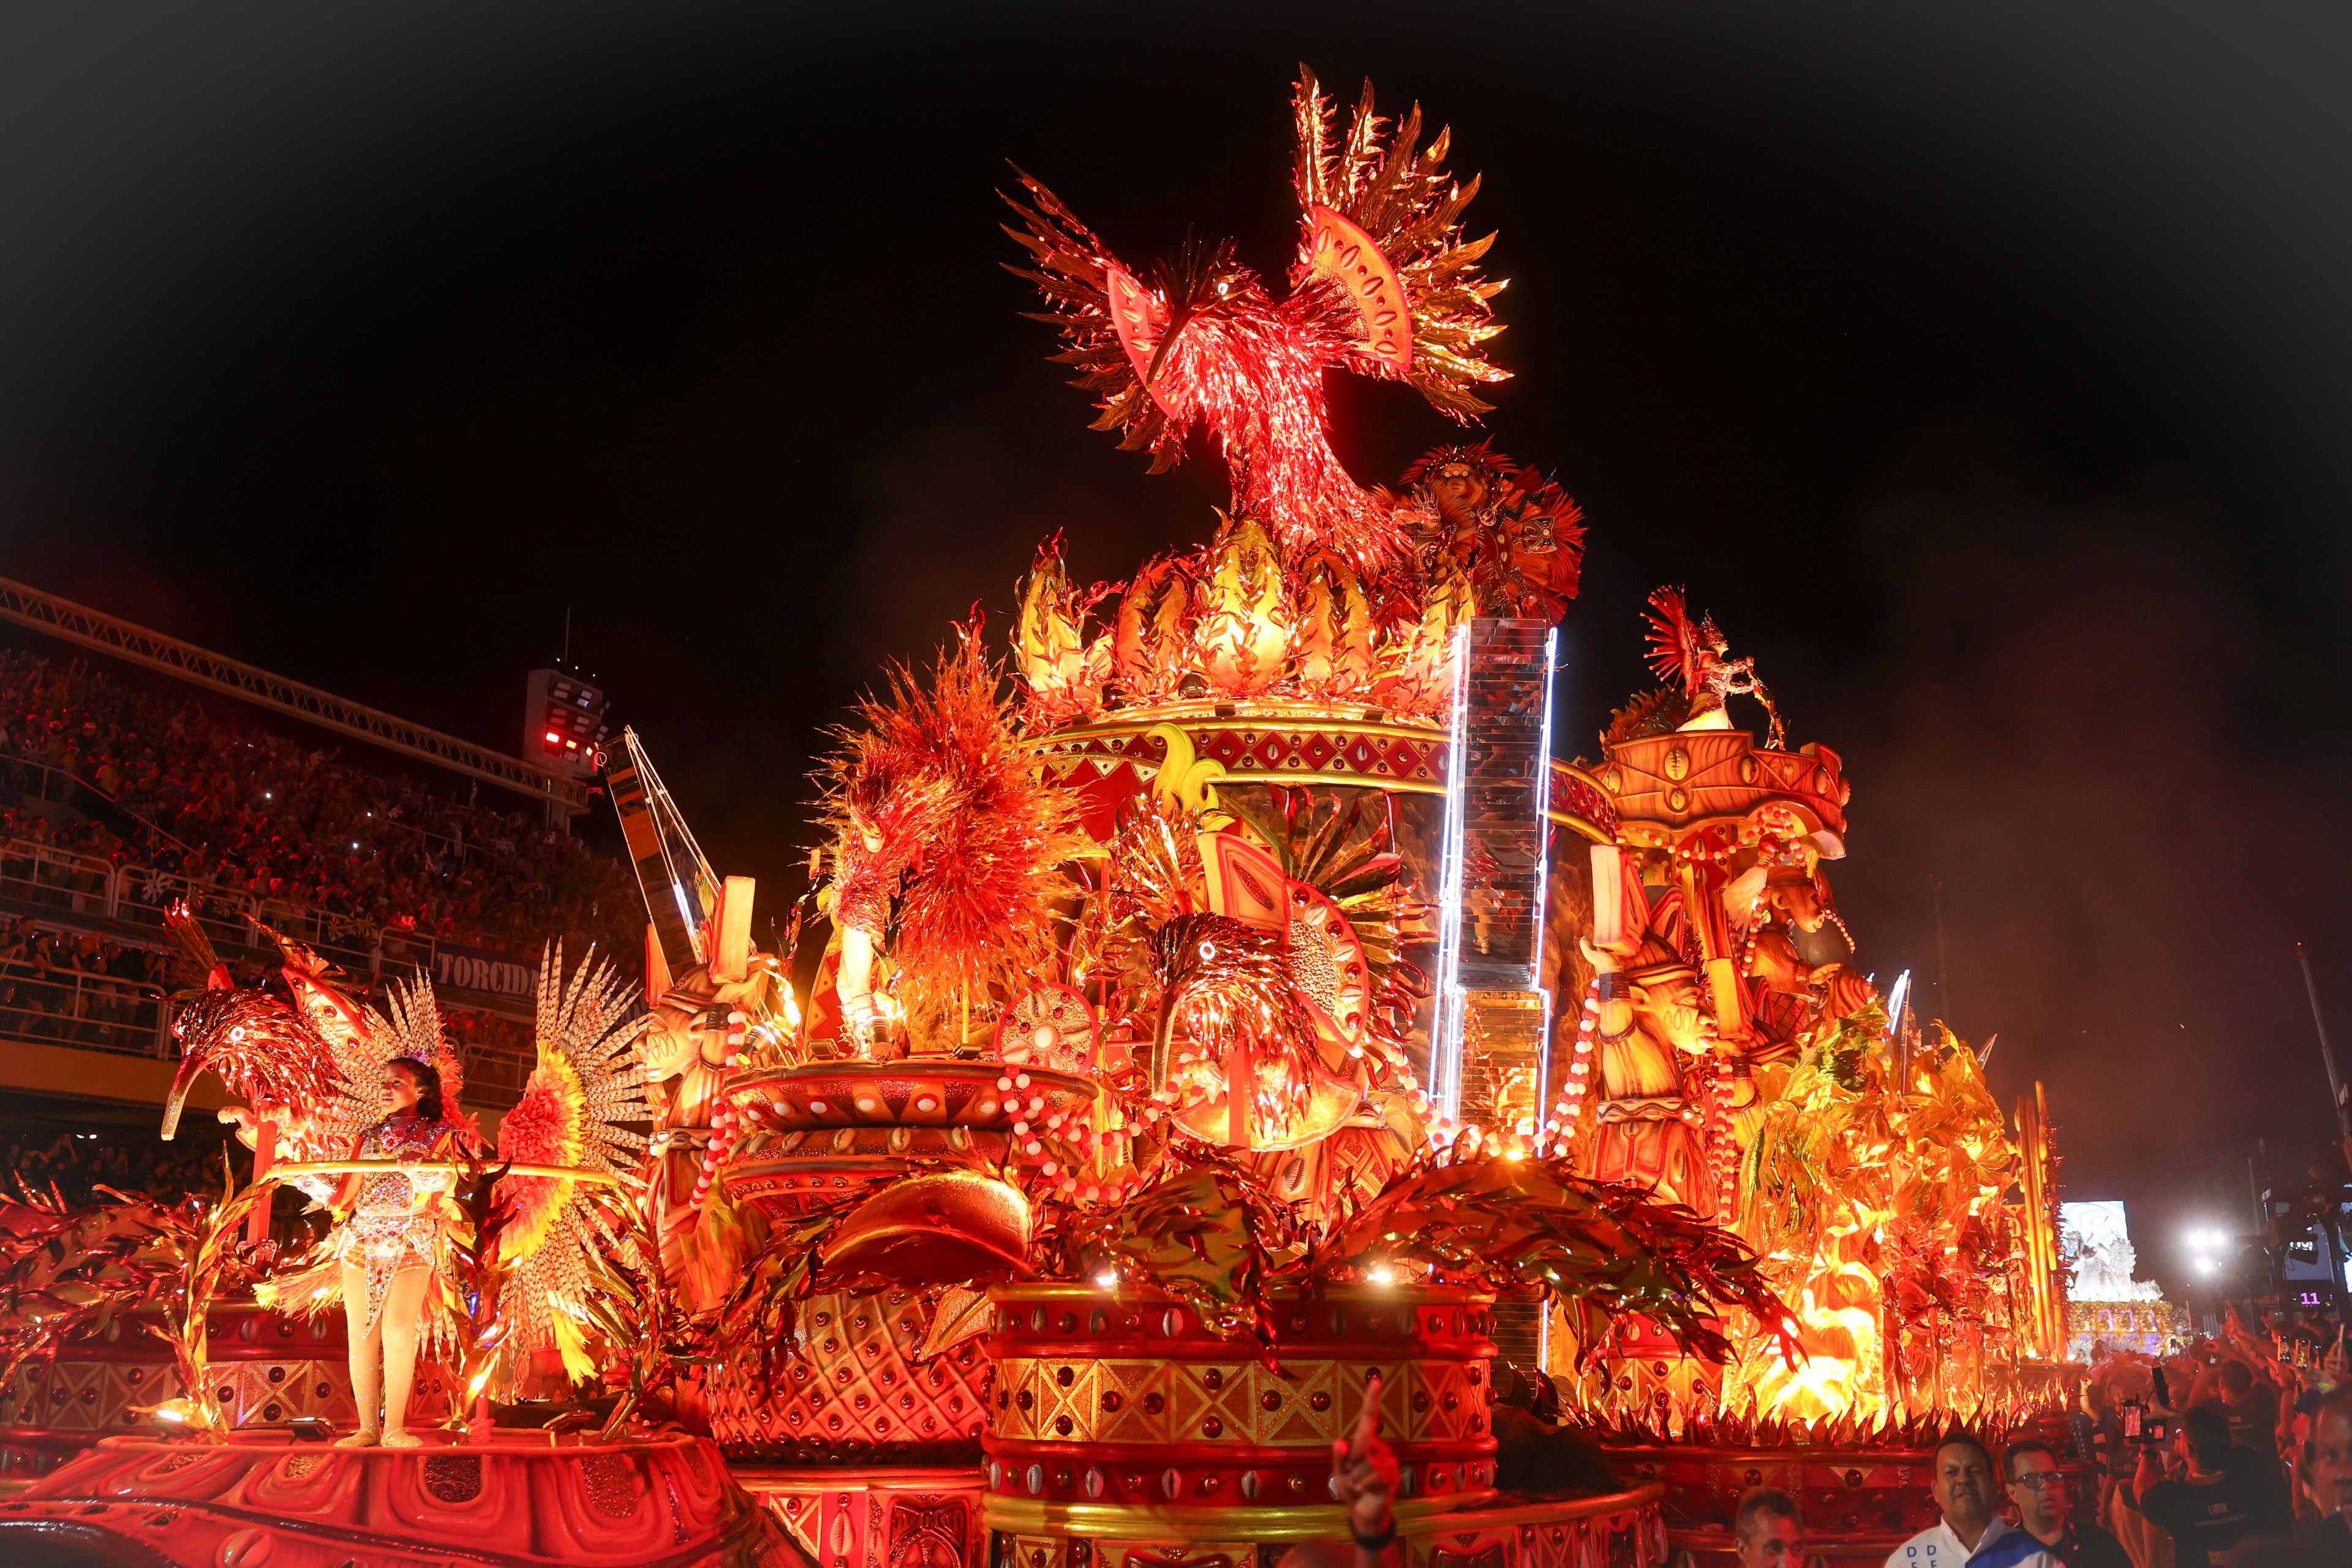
column 76, row 1163
column 223, row 801
column 2231, row 1439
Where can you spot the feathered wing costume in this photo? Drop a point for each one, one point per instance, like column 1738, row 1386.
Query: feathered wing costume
column 586, row 1106
column 1385, row 285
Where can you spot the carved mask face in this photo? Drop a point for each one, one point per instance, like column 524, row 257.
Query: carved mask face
column 1669, row 1007
column 1459, row 491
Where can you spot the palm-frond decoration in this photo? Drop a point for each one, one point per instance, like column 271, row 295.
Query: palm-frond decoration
column 1602, row 1251
column 1343, row 844
column 212, row 1265
column 67, row 1272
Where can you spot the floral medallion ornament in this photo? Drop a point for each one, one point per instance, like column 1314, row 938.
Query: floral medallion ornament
column 1049, row 1026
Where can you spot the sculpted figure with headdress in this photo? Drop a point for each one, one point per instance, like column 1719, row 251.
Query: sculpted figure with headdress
column 1655, row 1032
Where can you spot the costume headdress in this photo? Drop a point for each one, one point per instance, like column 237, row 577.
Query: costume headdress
column 411, row 1030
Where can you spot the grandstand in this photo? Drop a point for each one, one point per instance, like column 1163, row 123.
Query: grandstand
column 127, row 785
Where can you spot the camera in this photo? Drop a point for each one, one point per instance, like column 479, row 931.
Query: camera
column 2144, row 1425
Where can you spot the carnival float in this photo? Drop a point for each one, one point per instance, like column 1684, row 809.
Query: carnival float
column 1217, row 1006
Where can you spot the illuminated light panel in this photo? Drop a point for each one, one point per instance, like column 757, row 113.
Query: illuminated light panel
column 1445, row 1044
column 1494, row 859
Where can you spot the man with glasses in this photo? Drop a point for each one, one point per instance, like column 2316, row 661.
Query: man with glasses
column 1970, row 1534
column 2044, row 1509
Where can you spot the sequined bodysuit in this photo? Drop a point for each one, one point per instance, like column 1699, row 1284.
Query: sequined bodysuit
column 393, row 1224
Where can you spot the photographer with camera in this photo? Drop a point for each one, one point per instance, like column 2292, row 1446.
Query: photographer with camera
column 2207, row 1502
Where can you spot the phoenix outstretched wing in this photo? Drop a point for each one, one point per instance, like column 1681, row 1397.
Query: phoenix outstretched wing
column 1383, row 230
column 1113, row 323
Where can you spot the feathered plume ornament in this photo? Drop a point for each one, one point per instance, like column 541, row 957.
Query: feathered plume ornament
column 937, row 808
column 409, row 1029
column 583, row 1106
column 1677, row 646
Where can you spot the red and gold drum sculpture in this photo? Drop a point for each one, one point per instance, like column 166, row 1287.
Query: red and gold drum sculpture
column 1122, row 1431
column 859, row 1387
column 827, row 1129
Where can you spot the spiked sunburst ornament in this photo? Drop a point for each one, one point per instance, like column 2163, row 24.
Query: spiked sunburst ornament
column 581, row 1109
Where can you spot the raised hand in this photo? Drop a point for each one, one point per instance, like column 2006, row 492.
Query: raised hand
column 1364, row 1470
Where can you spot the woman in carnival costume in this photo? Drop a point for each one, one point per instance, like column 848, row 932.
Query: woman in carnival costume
column 391, row 1239
column 330, row 1080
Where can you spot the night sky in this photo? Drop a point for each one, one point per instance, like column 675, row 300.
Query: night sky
column 1985, row 370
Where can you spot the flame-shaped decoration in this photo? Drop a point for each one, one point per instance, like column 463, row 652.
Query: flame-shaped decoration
column 1148, row 645
column 1334, row 647
column 1416, row 668
column 1245, row 622
column 1049, row 642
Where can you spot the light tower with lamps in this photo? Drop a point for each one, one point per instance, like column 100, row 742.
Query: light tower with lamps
column 2209, row 1251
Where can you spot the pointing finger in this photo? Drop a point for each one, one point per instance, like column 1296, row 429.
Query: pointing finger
column 1367, row 1418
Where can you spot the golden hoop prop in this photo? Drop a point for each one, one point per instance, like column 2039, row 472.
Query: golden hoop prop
column 293, row 1168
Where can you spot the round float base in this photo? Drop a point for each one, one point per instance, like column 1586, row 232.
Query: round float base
column 519, row 1501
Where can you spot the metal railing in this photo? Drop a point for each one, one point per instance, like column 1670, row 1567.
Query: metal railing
column 87, row 1011
column 109, row 634
column 103, row 1012
column 100, row 1012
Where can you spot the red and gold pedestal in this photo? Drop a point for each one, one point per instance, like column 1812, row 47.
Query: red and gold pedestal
column 875, row 1517
column 826, row 1131
column 522, row 1500
column 268, row 1370
column 1123, row 1433
column 1859, row 1504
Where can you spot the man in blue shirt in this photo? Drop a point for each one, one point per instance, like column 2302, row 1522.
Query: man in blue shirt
column 2043, row 1510
column 1970, row 1535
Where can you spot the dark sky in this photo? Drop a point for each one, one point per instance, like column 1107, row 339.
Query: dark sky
column 1983, row 368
